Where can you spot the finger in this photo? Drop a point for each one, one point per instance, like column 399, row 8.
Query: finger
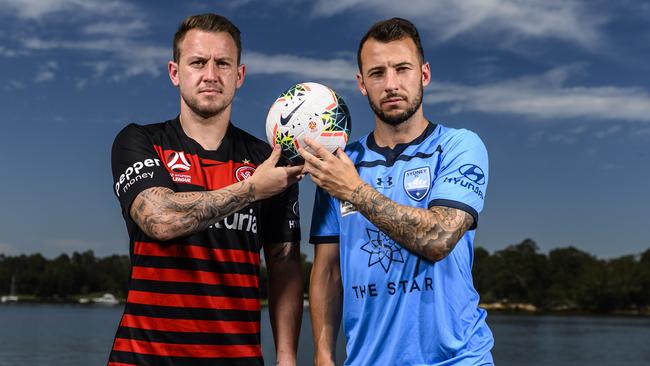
column 275, row 155
column 293, row 171
column 308, row 157
column 318, row 148
column 340, row 153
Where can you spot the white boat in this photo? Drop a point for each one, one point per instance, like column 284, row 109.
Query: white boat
column 12, row 292
column 9, row 298
column 108, row 299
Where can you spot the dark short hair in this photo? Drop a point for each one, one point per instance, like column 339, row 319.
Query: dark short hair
column 208, row 22
column 393, row 29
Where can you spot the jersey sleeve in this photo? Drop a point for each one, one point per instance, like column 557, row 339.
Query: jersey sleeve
column 136, row 166
column 462, row 175
column 281, row 217
column 324, row 220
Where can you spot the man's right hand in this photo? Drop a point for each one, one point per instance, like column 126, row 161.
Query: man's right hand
column 269, row 179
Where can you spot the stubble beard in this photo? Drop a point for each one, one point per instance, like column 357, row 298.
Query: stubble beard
column 205, row 109
column 402, row 117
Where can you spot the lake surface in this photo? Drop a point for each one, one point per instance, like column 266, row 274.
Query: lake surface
column 73, row 335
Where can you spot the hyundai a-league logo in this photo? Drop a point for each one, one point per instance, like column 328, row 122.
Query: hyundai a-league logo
column 382, row 250
column 473, row 173
column 177, row 162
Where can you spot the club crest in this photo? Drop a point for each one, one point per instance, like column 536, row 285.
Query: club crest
column 417, row 182
column 244, row 172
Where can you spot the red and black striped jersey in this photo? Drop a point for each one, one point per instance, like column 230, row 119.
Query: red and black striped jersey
column 195, row 300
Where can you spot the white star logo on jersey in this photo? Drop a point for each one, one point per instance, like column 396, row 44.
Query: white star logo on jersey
column 382, row 250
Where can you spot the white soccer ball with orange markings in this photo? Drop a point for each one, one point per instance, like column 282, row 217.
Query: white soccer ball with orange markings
column 308, row 110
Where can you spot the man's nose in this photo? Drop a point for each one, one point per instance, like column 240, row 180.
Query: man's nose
column 210, row 71
column 392, row 82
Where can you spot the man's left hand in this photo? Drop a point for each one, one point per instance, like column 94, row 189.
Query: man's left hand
column 335, row 174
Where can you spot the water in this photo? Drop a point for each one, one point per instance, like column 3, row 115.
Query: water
column 73, row 335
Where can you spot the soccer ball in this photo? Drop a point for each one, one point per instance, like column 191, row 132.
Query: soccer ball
column 308, row 110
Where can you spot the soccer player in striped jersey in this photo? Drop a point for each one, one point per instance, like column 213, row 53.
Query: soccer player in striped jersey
column 394, row 222
column 200, row 198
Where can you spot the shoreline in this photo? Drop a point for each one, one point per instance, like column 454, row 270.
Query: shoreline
column 492, row 308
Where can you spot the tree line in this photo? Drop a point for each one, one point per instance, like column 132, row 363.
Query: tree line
column 563, row 279
column 64, row 276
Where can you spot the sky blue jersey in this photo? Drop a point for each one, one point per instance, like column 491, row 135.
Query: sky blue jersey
column 399, row 308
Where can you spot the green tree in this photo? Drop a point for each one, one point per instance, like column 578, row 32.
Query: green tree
column 484, row 274
column 570, row 269
column 520, row 274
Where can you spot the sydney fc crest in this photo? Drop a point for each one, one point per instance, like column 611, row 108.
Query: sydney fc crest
column 417, row 182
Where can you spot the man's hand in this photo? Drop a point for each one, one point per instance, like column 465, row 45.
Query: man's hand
column 269, row 179
column 335, row 174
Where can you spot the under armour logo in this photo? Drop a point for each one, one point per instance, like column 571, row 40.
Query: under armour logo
column 385, row 183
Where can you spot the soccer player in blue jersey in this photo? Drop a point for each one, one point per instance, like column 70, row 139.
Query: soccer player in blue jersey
column 394, row 223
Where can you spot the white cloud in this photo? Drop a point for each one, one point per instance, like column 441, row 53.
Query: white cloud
column 116, row 29
column 81, row 83
column 107, row 29
column 46, row 72
column 308, row 68
column 148, row 60
column 544, row 97
column 642, row 132
column 8, row 52
column 611, row 167
column 39, row 9
column 508, row 20
column 13, row 85
column 609, row 131
column 99, row 67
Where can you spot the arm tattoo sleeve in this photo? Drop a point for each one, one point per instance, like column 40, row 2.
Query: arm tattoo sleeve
column 164, row 214
column 430, row 233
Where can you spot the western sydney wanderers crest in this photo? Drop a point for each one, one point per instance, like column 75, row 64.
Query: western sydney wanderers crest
column 417, row 182
column 244, row 172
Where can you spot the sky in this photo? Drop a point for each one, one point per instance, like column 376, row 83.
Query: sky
column 559, row 92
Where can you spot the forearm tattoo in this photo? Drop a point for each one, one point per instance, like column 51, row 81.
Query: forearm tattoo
column 164, row 214
column 431, row 233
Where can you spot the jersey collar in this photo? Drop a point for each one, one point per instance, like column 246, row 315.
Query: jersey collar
column 391, row 154
column 176, row 123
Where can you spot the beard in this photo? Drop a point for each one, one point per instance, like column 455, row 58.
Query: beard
column 205, row 107
column 400, row 118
